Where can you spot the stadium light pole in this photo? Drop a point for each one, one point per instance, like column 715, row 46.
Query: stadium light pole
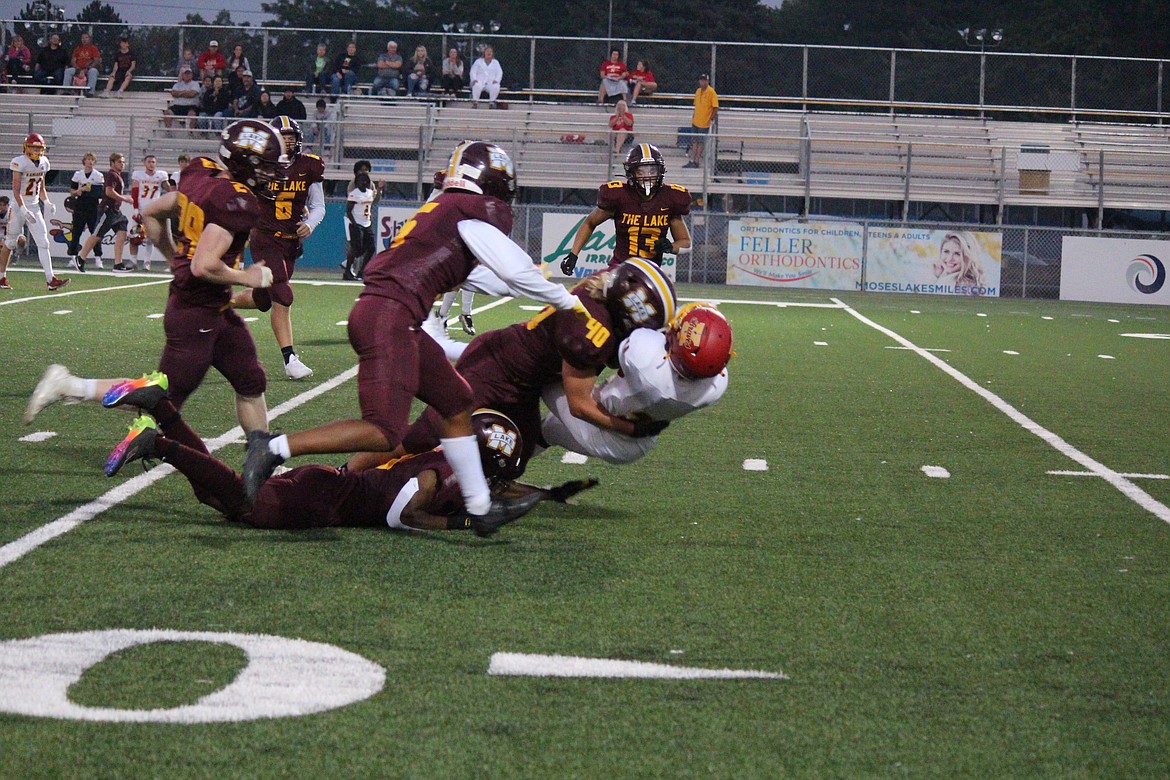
column 609, row 27
column 982, row 38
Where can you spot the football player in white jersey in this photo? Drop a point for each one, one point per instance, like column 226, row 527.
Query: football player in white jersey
column 28, row 187
column 148, row 183
column 663, row 377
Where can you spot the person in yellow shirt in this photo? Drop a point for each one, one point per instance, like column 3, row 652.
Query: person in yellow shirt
column 706, row 108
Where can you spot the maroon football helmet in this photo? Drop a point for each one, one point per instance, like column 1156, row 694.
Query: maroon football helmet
column 482, row 168
column 639, row 295
column 645, row 169
column 254, row 154
column 291, row 132
column 500, row 444
column 699, row 341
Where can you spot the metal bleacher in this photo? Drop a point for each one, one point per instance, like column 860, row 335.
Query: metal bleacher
column 763, row 151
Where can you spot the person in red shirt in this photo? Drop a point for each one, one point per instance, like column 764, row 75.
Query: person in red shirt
column 642, row 81
column 211, row 62
column 613, row 78
column 86, row 59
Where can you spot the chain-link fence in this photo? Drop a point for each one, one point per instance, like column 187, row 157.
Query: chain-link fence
column 1009, row 84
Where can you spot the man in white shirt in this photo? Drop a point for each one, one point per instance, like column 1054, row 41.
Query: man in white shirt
column 28, row 187
column 486, row 75
column 147, row 184
column 663, row 377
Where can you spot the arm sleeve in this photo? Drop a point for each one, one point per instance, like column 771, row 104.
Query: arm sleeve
column 504, row 258
column 316, row 205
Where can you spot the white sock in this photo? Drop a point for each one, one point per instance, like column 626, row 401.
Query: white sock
column 445, row 306
column 81, row 389
column 279, row 446
column 46, row 262
column 468, row 300
column 462, row 452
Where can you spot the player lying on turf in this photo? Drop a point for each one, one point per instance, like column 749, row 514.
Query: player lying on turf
column 662, row 377
column 417, row 492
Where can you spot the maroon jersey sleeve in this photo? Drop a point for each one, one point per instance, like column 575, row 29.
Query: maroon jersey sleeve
column 679, row 199
column 585, row 345
column 610, row 196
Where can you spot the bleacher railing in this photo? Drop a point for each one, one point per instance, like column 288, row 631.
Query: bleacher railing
column 1007, row 84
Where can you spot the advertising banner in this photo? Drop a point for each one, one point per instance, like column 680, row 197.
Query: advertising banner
column 936, row 262
column 1114, row 270
column 389, row 221
column 557, row 239
column 811, row 255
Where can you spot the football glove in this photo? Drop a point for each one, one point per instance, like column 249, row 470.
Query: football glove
column 569, row 263
column 662, row 246
column 23, row 211
column 50, row 209
column 562, row 493
column 644, row 428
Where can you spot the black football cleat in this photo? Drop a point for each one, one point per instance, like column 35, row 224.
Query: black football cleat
column 502, row 512
column 259, row 462
column 138, row 445
column 144, row 392
column 465, row 322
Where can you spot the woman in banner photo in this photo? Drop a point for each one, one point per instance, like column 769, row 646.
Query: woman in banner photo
column 958, row 263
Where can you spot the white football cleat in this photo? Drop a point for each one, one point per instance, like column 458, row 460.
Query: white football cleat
column 295, row 369
column 51, row 389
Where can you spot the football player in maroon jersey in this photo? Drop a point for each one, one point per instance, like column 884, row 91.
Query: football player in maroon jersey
column 642, row 209
column 295, row 207
column 434, row 251
column 508, row 368
column 417, row 492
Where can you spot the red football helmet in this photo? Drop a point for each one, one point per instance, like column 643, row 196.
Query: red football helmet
column 291, row 132
column 34, row 146
column 482, row 168
column 639, row 295
column 645, row 169
column 500, row 445
column 254, row 154
column 699, row 341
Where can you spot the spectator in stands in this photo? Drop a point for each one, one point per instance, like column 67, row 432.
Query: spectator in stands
column 319, row 74
column 187, row 60
column 705, row 114
column 389, row 77
column 291, row 106
column 214, row 104
column 452, row 75
column 318, row 129
column 51, row 63
column 418, row 81
column 122, row 71
column 345, row 71
column 266, row 109
column 18, row 60
column 642, row 81
column 235, row 78
column 486, row 76
column 237, row 59
column 211, row 62
column 185, row 94
column 246, row 97
column 621, row 122
column 86, row 59
column 613, row 78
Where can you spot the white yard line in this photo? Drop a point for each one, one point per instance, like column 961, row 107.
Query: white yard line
column 52, row 296
column 1117, row 480
column 131, row 487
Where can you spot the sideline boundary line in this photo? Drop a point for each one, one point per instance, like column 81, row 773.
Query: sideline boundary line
column 33, row 539
column 1114, row 478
